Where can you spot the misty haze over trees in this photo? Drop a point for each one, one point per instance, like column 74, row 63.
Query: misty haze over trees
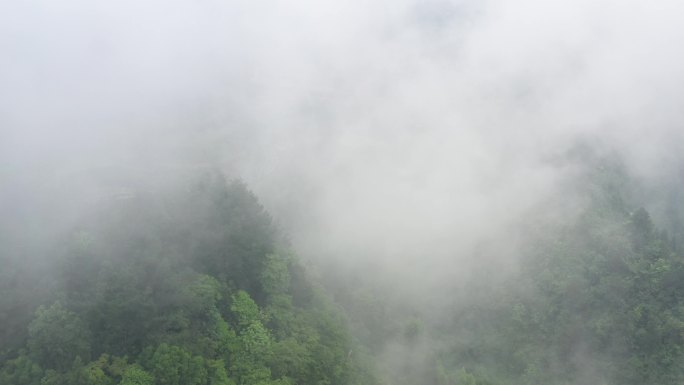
column 440, row 192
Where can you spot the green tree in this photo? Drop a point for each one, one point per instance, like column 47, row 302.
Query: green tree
column 172, row 365
column 135, row 375
column 57, row 336
column 21, row 371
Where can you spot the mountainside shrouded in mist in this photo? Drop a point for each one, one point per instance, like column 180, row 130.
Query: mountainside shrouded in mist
column 490, row 191
column 192, row 285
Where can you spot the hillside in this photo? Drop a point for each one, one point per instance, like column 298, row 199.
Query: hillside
column 191, row 286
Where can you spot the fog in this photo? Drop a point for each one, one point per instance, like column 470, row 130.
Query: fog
column 402, row 138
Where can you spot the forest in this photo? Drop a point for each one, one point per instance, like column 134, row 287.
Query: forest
column 196, row 285
column 345, row 192
column 187, row 288
column 596, row 296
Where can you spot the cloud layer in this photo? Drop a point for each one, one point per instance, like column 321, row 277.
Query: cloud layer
column 399, row 133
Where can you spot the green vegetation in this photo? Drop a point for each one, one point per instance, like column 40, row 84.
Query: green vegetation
column 596, row 301
column 197, row 287
column 192, row 288
column 595, row 297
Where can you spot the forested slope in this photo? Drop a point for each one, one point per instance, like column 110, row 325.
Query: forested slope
column 597, row 300
column 186, row 286
column 194, row 284
column 593, row 295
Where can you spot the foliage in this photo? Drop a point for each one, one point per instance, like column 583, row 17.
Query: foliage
column 596, row 300
column 198, row 288
column 192, row 287
column 135, row 375
column 57, row 336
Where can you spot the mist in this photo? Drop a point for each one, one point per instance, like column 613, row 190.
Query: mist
column 406, row 141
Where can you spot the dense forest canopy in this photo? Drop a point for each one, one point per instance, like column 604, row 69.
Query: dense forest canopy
column 194, row 284
column 192, row 287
